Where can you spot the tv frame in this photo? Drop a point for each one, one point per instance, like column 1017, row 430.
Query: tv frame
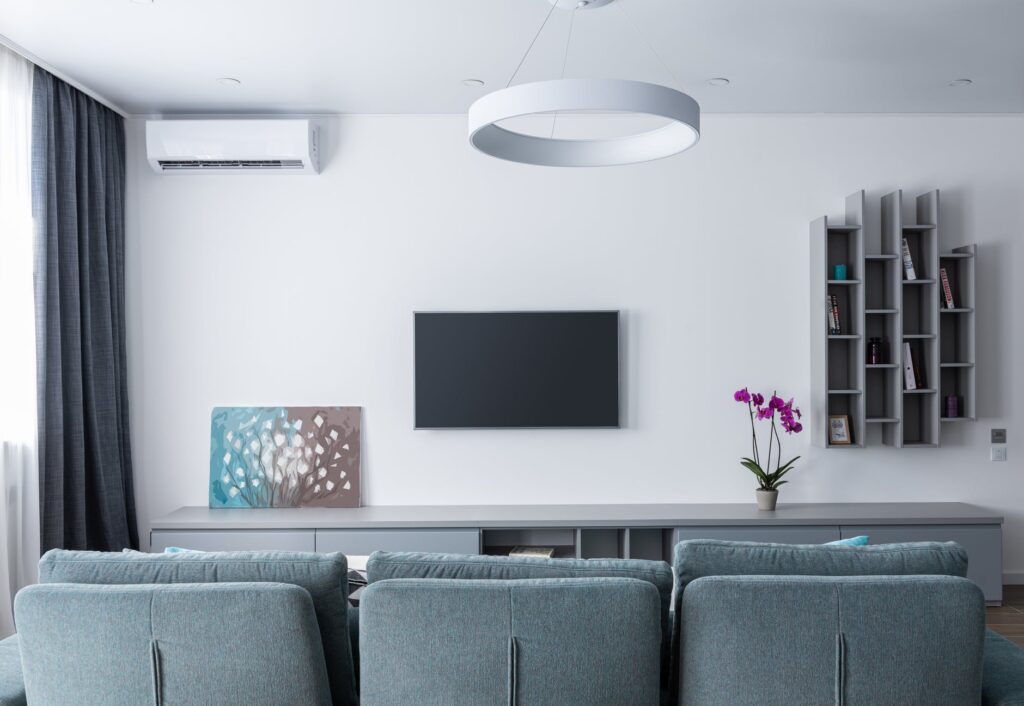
column 618, row 372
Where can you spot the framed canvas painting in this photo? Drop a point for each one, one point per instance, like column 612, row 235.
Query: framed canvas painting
column 284, row 457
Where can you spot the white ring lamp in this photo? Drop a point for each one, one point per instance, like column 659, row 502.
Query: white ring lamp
column 603, row 95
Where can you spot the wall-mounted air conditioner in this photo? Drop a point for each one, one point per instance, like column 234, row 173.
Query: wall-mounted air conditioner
column 233, row 146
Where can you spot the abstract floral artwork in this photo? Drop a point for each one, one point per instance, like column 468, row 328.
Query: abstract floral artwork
column 284, row 457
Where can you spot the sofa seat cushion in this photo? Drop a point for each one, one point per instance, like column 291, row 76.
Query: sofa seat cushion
column 1003, row 674
column 12, row 684
column 324, row 576
column 418, row 565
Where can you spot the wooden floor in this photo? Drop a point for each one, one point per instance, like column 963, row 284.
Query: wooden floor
column 1008, row 619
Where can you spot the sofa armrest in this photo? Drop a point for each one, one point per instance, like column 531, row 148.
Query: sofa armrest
column 12, row 683
column 1003, row 675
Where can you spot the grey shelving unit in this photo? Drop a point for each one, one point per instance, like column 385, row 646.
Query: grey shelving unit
column 837, row 360
column 878, row 301
column 957, row 334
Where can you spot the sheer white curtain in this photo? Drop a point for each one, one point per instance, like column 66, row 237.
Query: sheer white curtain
column 19, row 506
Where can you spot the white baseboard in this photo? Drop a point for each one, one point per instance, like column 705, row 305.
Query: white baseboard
column 1013, row 578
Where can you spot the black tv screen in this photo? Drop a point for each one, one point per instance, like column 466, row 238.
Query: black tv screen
column 517, row 369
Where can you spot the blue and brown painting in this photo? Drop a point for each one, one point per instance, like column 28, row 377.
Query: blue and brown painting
column 284, row 457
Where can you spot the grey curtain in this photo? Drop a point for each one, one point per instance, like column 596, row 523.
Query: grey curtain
column 85, row 465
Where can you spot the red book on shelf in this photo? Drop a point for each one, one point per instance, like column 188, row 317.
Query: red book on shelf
column 947, row 293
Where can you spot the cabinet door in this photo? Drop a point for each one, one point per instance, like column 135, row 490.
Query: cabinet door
column 359, row 542
column 233, row 540
column 984, row 545
column 781, row 534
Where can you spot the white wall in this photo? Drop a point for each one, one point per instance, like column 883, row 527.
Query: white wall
column 289, row 290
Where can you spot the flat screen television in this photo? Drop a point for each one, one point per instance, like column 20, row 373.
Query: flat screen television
column 517, row 370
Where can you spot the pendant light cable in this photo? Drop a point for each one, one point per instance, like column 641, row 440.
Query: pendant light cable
column 565, row 62
column 530, row 48
column 643, row 38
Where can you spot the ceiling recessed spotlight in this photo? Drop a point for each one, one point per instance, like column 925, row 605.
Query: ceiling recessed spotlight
column 472, row 83
column 960, row 82
column 719, row 81
column 228, row 81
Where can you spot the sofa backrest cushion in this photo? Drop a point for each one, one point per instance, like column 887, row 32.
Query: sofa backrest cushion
column 784, row 640
column 226, row 643
column 323, row 576
column 409, row 565
column 571, row 642
column 709, row 557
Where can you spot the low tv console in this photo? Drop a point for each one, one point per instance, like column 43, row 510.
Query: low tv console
column 586, row 531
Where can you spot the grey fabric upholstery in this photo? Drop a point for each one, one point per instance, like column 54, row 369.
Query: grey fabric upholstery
column 323, row 576
column 250, row 644
column 697, row 558
column 411, row 565
column 557, row 642
column 708, row 557
column 847, row 641
column 12, row 683
column 78, row 187
column 1003, row 676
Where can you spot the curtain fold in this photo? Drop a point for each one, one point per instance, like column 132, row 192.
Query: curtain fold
column 19, row 509
column 85, row 466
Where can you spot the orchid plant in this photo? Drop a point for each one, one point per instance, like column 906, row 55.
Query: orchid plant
column 788, row 418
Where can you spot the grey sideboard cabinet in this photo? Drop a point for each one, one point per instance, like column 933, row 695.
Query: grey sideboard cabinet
column 585, row 531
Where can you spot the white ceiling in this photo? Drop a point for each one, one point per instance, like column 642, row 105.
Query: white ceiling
column 410, row 56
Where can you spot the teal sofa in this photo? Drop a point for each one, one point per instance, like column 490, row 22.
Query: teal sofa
column 730, row 622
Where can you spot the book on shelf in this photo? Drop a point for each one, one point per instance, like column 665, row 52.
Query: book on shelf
column 546, row 552
column 832, row 304
column 908, row 262
column 947, row 292
column 909, row 372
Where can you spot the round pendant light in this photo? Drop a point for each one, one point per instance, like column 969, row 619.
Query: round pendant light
column 602, row 95
column 583, row 95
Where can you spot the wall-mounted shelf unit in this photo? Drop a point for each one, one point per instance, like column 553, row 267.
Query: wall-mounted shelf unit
column 909, row 317
column 837, row 359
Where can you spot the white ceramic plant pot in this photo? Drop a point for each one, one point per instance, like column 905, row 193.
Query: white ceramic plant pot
column 766, row 499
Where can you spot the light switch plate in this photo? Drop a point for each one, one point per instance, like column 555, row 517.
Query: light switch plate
column 998, row 453
column 998, row 436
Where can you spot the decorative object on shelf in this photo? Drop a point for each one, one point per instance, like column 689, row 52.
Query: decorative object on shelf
column 487, row 134
column 878, row 351
column 947, row 292
column 542, row 552
column 839, row 430
column 910, row 381
column 952, row 406
column 788, row 416
column 839, row 272
column 908, row 262
column 284, row 457
column 832, row 305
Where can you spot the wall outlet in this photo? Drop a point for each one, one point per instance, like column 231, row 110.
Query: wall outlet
column 998, row 453
column 998, row 436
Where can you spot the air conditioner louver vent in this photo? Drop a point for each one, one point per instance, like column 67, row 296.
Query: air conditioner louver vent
column 230, row 164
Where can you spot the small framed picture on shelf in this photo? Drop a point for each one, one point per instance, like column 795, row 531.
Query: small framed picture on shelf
column 839, row 430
